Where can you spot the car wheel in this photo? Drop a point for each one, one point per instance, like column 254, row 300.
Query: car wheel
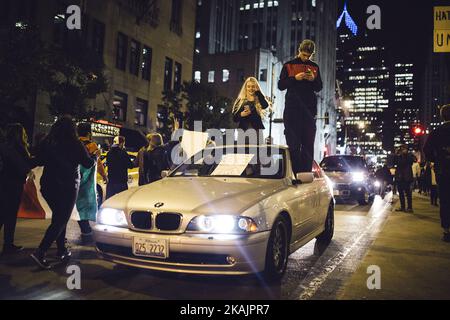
column 99, row 196
column 277, row 251
column 326, row 236
column 364, row 199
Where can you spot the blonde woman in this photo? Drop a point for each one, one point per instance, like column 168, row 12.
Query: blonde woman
column 250, row 106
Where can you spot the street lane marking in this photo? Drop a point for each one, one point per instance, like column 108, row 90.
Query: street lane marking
column 316, row 277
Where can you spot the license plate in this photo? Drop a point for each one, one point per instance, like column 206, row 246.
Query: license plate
column 152, row 248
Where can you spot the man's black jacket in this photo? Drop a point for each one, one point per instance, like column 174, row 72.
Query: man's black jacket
column 118, row 162
column 437, row 149
column 301, row 95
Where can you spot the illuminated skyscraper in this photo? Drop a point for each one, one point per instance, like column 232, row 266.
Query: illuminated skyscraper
column 405, row 107
column 364, row 77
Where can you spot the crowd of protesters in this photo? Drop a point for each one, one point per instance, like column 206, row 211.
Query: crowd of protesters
column 71, row 161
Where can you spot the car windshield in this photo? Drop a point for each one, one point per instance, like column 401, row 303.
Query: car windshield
column 343, row 164
column 263, row 162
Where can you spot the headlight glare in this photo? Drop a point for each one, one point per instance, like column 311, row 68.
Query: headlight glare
column 222, row 224
column 358, row 176
column 112, row 217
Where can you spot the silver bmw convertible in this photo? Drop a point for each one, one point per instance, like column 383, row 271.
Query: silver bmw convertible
column 228, row 210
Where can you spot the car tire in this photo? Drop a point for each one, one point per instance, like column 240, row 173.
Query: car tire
column 364, row 199
column 326, row 236
column 277, row 251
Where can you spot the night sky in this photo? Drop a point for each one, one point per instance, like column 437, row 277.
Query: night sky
column 405, row 25
column 406, row 29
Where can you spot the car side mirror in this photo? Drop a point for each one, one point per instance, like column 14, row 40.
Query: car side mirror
column 164, row 173
column 304, row 177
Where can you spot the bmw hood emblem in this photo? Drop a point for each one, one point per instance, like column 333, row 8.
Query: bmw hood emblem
column 159, row 204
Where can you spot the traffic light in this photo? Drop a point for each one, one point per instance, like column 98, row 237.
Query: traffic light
column 418, row 130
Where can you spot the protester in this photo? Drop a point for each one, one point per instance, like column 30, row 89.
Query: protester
column 437, row 149
column 404, row 178
column 416, row 174
column 385, row 178
column 249, row 107
column 434, row 187
column 156, row 160
column 87, row 195
column 16, row 164
column 118, row 162
column 61, row 153
column 140, row 161
column 301, row 78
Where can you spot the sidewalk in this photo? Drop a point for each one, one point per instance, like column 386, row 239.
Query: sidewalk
column 414, row 261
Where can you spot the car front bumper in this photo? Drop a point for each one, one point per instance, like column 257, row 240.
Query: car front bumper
column 188, row 253
column 346, row 191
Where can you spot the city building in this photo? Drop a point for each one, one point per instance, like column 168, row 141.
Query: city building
column 404, row 104
column 272, row 30
column 147, row 48
column 436, row 88
column 364, row 77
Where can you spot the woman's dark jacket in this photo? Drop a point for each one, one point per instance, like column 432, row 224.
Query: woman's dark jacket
column 61, row 163
column 253, row 121
column 155, row 161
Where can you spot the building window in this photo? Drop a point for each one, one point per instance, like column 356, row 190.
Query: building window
column 140, row 112
column 121, row 55
column 135, row 50
column 240, row 75
column 98, row 36
column 177, row 78
column 146, row 63
column 120, row 104
column 198, row 76
column 168, row 74
column 225, row 75
column 175, row 21
column 211, row 76
column 263, row 75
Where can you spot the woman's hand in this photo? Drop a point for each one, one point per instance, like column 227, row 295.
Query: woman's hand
column 246, row 112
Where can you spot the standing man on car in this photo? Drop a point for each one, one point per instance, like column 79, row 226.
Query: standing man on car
column 118, row 162
column 437, row 149
column 301, row 78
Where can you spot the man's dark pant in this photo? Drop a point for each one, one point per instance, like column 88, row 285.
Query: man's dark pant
column 300, row 132
column 8, row 216
column 444, row 200
column 404, row 188
column 61, row 202
column 115, row 188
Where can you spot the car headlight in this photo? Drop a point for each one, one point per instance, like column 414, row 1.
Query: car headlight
column 222, row 224
column 112, row 217
column 358, row 176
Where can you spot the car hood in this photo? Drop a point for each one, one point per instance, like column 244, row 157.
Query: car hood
column 340, row 176
column 199, row 195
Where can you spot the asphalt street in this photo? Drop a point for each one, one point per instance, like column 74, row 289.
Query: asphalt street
column 312, row 272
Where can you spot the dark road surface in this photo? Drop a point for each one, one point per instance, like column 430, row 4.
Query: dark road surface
column 310, row 274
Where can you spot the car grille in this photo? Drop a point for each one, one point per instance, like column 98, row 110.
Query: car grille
column 174, row 257
column 141, row 220
column 168, row 221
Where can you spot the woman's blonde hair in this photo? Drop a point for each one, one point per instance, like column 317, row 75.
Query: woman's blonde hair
column 150, row 137
column 242, row 97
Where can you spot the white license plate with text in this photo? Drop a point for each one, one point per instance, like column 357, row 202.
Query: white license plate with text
column 152, row 248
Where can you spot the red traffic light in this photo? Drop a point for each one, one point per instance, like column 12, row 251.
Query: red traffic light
column 418, row 130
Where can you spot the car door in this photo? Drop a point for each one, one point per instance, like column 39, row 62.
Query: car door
column 323, row 196
column 303, row 199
